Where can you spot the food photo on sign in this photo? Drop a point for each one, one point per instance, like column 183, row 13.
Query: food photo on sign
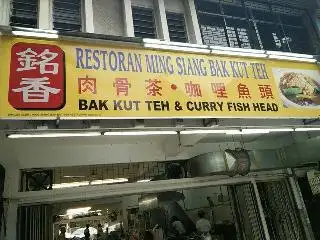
column 298, row 88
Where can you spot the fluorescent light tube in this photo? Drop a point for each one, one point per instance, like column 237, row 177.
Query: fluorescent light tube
column 230, row 49
column 281, row 130
column 148, row 201
column 144, row 181
column 176, row 48
column 161, row 42
column 140, row 133
column 248, row 131
column 74, row 211
column 69, row 185
column 288, row 54
column 54, row 135
column 35, row 34
column 258, row 131
column 312, row 60
column 236, row 131
column 109, row 181
column 240, row 54
column 202, row 131
column 306, row 129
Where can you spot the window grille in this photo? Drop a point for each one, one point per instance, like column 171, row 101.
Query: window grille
column 177, row 27
column 67, row 15
column 24, row 13
column 143, row 22
column 256, row 24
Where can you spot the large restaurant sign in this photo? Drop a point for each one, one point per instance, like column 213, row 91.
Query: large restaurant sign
column 48, row 79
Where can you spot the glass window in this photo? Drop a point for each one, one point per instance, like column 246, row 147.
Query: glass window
column 24, row 13
column 297, row 40
column 291, row 20
column 260, row 11
column 143, row 21
column 67, row 15
column 238, row 33
column 263, row 15
column 234, row 10
column 213, row 30
column 177, row 27
column 208, row 6
column 271, row 37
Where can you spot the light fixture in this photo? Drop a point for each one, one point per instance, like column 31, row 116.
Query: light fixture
column 248, row 131
column 259, row 131
column 87, row 183
column 236, row 131
column 201, row 131
column 27, row 32
column 70, row 185
column 281, row 130
column 162, row 42
column 140, row 133
column 242, row 54
column 306, row 129
column 176, row 48
column 109, row 181
column 144, row 181
column 77, row 211
column 244, row 50
column 296, row 59
column 289, row 54
column 148, row 200
column 53, row 135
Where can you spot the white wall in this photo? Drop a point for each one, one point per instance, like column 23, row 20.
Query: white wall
column 108, row 17
column 59, row 152
column 175, row 6
column 36, row 153
column 143, row 3
column 222, row 210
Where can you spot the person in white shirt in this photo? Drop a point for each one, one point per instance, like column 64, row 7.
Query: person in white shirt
column 158, row 232
column 203, row 225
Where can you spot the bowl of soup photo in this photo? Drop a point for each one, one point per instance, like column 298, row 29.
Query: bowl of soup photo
column 299, row 89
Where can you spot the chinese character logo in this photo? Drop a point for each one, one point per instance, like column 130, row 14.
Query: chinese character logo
column 243, row 91
column 37, row 77
column 193, row 89
column 87, row 84
column 36, row 90
column 219, row 89
column 122, row 86
column 153, row 87
column 265, row 91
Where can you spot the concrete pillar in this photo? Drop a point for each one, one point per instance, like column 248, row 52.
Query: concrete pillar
column 45, row 14
column 4, row 12
column 161, row 20
column 127, row 18
column 88, row 12
column 192, row 22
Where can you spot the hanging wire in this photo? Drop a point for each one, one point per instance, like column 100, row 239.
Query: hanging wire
column 242, row 142
column 234, row 142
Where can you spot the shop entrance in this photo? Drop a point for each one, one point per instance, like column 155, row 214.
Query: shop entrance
column 232, row 211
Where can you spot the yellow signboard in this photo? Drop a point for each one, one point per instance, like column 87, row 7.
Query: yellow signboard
column 48, row 79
